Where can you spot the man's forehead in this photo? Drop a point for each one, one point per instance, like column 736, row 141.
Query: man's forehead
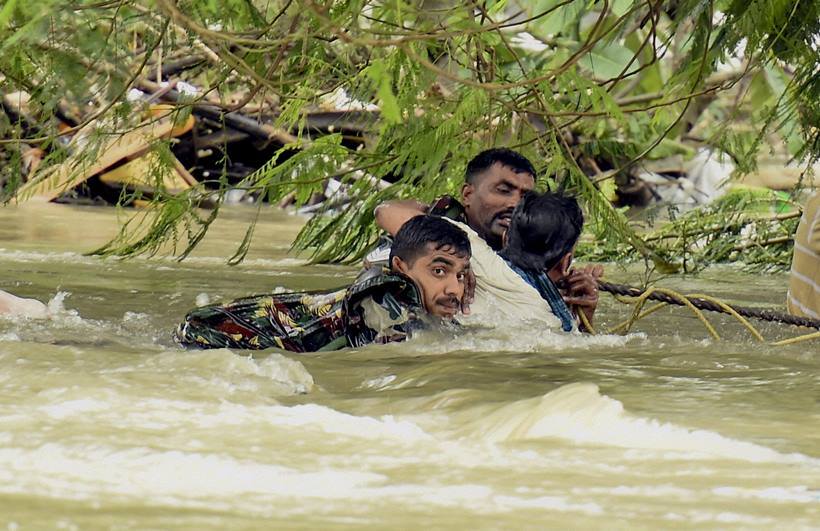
column 500, row 171
column 432, row 251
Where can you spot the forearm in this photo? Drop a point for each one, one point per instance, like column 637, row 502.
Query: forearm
column 391, row 215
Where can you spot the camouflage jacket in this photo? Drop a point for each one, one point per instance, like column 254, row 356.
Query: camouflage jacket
column 378, row 307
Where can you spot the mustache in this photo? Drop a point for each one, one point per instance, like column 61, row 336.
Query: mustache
column 503, row 214
column 448, row 301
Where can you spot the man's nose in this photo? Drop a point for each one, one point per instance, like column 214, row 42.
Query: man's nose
column 454, row 287
column 513, row 199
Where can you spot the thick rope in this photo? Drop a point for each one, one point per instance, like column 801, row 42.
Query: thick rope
column 708, row 304
column 731, row 311
column 672, row 295
column 798, row 339
column 584, row 321
column 622, row 326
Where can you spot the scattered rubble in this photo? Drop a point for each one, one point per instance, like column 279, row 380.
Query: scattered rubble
column 210, row 144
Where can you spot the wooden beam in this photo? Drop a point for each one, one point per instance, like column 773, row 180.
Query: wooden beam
column 56, row 180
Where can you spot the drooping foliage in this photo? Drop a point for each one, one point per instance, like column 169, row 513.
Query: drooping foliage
column 586, row 89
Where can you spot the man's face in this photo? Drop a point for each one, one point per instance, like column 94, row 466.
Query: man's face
column 490, row 201
column 439, row 274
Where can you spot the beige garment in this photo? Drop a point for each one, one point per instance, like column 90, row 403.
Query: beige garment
column 803, row 298
column 19, row 307
column 501, row 295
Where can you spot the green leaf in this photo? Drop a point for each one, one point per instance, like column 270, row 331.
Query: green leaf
column 388, row 103
column 620, row 7
column 608, row 60
column 560, row 21
column 7, row 12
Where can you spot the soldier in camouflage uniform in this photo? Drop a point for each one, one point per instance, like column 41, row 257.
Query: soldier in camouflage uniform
column 428, row 263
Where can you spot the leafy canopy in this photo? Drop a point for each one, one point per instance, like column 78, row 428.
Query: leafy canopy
column 586, row 89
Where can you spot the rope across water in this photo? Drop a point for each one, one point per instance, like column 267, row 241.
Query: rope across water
column 710, row 305
column 696, row 303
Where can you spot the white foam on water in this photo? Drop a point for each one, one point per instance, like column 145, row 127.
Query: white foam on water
column 55, row 304
column 513, row 339
column 135, row 317
column 647, row 491
column 107, row 408
column 579, row 413
column 266, row 266
column 799, row 493
column 379, row 382
column 184, row 479
column 42, row 257
column 553, row 503
column 82, row 471
column 319, row 419
column 72, row 408
column 288, row 376
column 332, row 421
column 248, row 262
column 723, row 517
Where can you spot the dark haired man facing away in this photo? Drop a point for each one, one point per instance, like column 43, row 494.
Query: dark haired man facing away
column 540, row 244
column 429, row 261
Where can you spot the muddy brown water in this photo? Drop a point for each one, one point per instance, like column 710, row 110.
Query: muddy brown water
column 105, row 423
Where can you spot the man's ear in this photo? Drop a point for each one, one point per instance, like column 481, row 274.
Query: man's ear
column 560, row 270
column 399, row 265
column 467, row 190
column 563, row 265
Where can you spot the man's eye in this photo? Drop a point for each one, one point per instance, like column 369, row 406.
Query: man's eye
column 503, row 190
column 439, row 271
column 461, row 276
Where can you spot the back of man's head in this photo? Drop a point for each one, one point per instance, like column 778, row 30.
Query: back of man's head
column 543, row 229
column 517, row 162
column 413, row 238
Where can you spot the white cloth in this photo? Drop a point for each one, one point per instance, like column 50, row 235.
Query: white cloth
column 501, row 295
column 19, row 307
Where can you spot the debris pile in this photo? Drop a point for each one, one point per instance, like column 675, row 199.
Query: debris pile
column 172, row 139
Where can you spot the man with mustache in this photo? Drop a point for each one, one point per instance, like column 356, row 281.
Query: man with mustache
column 423, row 285
column 495, row 182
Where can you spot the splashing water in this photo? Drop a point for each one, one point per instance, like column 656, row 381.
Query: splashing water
column 105, row 422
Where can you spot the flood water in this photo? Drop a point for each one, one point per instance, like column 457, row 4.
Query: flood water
column 106, row 423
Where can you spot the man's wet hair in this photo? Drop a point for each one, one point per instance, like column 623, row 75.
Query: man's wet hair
column 543, row 228
column 513, row 160
column 413, row 237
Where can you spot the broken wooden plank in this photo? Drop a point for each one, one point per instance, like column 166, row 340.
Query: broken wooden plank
column 58, row 179
column 184, row 173
column 141, row 174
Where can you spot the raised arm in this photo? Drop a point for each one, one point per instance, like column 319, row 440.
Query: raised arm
column 391, row 215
